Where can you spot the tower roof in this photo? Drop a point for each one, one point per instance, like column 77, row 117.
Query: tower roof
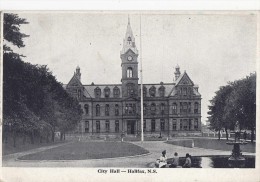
column 129, row 40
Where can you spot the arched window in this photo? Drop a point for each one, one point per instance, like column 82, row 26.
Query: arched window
column 196, row 108
column 129, row 72
column 116, row 110
column 107, row 92
column 86, row 109
column 107, row 110
column 97, row 92
column 153, row 108
column 116, row 92
column 130, row 89
column 174, row 108
column 97, row 110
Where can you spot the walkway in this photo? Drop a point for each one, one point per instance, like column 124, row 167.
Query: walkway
column 155, row 148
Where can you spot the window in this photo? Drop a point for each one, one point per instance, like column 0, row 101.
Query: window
column 116, row 110
column 116, row 92
column 130, row 108
column 162, row 125
column 185, row 124
column 174, row 125
column 98, row 126
column 116, row 126
column 153, row 125
column 181, row 107
column 130, row 89
column 79, row 94
column 145, row 109
column 107, row 110
column 162, row 91
column 97, row 92
column 107, row 92
column 86, row 109
column 189, row 107
column 86, row 126
column 174, row 108
column 126, row 109
column 152, row 91
column 97, row 110
column 107, row 126
column 190, row 120
column 196, row 124
column 144, row 125
column 185, row 91
column 129, row 72
column 153, row 108
column 196, row 108
column 184, row 107
column 144, row 91
column 129, row 39
column 181, row 125
column 162, row 108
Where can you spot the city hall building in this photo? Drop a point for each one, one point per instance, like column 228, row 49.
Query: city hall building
column 169, row 109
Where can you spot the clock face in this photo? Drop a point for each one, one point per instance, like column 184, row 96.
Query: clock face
column 129, row 58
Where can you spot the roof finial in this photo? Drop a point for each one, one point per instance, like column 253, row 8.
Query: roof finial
column 128, row 20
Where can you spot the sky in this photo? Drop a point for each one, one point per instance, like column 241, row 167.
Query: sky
column 213, row 48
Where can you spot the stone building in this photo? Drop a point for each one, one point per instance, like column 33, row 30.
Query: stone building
column 110, row 109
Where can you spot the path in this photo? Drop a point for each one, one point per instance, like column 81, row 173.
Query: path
column 155, row 148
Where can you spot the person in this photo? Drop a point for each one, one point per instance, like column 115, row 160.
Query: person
column 187, row 163
column 175, row 161
column 163, row 160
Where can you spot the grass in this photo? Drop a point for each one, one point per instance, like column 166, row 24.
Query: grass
column 217, row 145
column 87, row 150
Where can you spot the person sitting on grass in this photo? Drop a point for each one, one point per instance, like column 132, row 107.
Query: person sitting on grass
column 175, row 161
column 163, row 160
column 187, row 163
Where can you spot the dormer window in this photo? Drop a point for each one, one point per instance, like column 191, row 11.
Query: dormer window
column 97, row 92
column 116, row 92
column 107, row 92
column 129, row 40
column 162, row 91
column 152, row 91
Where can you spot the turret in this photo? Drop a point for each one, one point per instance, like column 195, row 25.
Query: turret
column 78, row 74
column 177, row 72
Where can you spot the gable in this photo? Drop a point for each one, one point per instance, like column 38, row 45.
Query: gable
column 184, row 79
column 74, row 82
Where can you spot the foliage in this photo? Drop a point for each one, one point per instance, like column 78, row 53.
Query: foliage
column 234, row 102
column 34, row 102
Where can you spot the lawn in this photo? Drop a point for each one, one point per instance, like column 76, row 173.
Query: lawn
column 213, row 144
column 88, row 150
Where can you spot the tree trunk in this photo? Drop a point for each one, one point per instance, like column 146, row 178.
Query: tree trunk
column 52, row 136
column 252, row 135
column 32, row 137
column 61, row 136
column 24, row 138
column 47, row 138
column 226, row 133
column 64, row 136
column 218, row 134
column 14, row 138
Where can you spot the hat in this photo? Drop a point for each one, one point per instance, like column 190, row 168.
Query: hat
column 164, row 151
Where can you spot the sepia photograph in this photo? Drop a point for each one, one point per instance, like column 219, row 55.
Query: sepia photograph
column 129, row 91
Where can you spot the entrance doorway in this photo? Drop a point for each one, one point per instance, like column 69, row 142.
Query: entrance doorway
column 131, row 127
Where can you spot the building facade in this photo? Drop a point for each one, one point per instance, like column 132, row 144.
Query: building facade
column 169, row 108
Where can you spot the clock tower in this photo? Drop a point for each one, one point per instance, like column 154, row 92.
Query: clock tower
column 129, row 64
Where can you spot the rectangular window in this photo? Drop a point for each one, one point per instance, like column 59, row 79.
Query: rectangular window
column 153, row 125
column 86, row 126
column 196, row 108
column 107, row 110
column 190, row 120
column 174, row 125
column 181, row 125
column 162, row 125
column 117, row 126
column 144, row 125
column 189, row 107
column 185, row 124
column 116, row 110
column 174, row 108
column 98, row 126
column 196, row 124
column 181, row 108
column 107, row 126
column 144, row 109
